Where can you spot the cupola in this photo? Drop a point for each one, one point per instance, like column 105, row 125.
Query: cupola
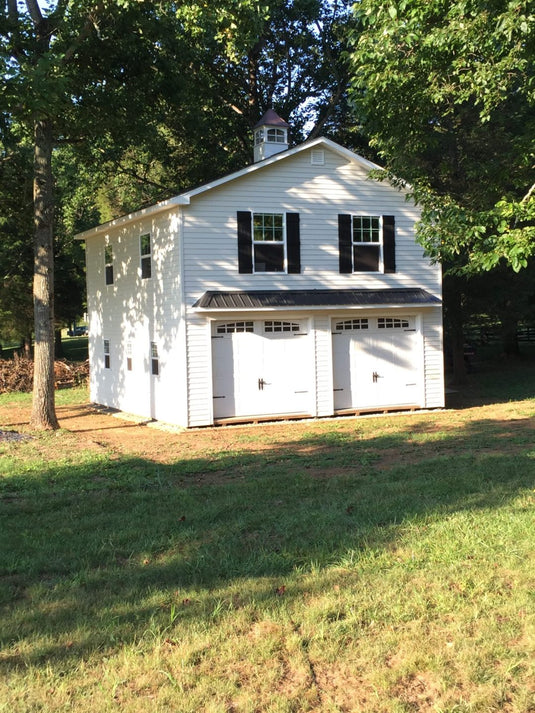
column 270, row 136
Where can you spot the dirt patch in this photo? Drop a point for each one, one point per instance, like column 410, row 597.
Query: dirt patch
column 91, row 427
column 419, row 692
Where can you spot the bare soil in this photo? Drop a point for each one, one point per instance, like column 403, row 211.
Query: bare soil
column 121, row 435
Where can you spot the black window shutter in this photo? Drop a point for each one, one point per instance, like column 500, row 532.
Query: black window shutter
column 344, row 243
column 389, row 243
column 293, row 243
column 245, row 242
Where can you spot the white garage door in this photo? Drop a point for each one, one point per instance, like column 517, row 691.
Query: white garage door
column 261, row 368
column 376, row 362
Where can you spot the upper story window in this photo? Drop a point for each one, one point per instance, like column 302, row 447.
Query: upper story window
column 276, row 136
column 268, row 242
column 367, row 243
column 258, row 136
column 108, row 263
column 145, row 249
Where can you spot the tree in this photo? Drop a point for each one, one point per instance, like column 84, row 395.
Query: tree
column 445, row 92
column 447, row 95
column 291, row 57
column 82, row 70
column 16, row 261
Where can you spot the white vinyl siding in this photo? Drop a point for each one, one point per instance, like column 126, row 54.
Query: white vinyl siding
column 210, row 228
column 196, row 250
column 132, row 314
column 211, row 254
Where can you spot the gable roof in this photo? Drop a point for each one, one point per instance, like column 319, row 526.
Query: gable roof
column 185, row 197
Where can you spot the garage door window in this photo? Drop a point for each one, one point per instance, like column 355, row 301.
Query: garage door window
column 270, row 327
column 361, row 323
column 233, row 327
column 392, row 323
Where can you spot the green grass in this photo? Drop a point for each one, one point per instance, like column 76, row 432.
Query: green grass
column 75, row 348
column 381, row 565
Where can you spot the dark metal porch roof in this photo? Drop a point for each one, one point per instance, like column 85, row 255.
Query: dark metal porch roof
column 288, row 299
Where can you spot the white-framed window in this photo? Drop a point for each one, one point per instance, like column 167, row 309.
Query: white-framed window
column 276, row 136
column 280, row 326
column 145, row 249
column 393, row 323
column 129, row 356
column 269, row 242
column 154, row 359
column 233, row 327
column 366, row 242
column 108, row 263
column 351, row 324
column 271, row 136
column 107, row 363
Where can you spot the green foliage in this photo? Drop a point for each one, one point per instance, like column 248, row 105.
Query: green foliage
column 447, row 95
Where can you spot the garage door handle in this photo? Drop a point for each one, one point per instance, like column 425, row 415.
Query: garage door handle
column 376, row 376
column 261, row 384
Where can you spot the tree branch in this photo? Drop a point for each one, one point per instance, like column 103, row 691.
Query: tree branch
column 528, row 195
column 12, row 11
column 318, row 126
column 35, row 12
column 89, row 25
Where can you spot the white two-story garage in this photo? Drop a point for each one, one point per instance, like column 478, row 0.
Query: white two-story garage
column 293, row 287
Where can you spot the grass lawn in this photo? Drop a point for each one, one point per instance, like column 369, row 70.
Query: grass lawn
column 74, row 348
column 383, row 565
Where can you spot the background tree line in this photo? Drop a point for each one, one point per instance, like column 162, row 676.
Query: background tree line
column 107, row 105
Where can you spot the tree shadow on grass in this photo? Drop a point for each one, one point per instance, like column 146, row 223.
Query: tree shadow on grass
column 96, row 555
column 493, row 382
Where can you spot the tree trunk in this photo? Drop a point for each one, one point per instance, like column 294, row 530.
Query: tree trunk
column 27, row 346
column 43, row 408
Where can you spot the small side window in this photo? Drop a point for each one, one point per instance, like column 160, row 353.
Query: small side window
column 146, row 254
column 108, row 261
column 155, row 361
column 129, row 356
column 106, row 353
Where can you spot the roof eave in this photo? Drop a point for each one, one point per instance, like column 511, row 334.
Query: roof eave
column 135, row 215
column 185, row 197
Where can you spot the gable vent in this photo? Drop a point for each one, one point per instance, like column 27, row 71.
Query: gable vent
column 317, row 158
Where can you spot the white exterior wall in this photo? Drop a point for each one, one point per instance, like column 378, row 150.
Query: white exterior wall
column 139, row 311
column 194, row 249
column 319, row 194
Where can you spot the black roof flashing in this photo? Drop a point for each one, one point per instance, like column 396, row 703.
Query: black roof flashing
column 270, row 299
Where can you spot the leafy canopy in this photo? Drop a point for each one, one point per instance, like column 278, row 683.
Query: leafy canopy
column 446, row 92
